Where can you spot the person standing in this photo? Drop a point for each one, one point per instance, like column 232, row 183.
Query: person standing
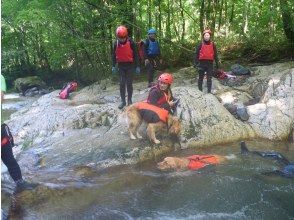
column 125, row 55
column 206, row 53
column 7, row 156
column 151, row 54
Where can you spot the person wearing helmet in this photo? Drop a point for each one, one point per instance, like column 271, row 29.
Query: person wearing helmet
column 125, row 55
column 151, row 54
column 206, row 53
column 161, row 95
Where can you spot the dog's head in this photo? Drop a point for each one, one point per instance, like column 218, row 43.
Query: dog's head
column 167, row 164
column 174, row 126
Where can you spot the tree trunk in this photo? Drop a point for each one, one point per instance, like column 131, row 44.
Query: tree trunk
column 288, row 23
column 149, row 14
column 232, row 16
column 220, row 15
column 183, row 21
column 168, row 33
column 159, row 17
column 201, row 19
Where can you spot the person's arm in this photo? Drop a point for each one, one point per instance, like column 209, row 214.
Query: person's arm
column 146, row 45
column 113, row 54
column 215, row 56
column 3, row 87
column 197, row 51
column 135, row 53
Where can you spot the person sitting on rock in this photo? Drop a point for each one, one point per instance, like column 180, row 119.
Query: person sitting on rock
column 206, row 53
column 125, row 54
column 161, row 95
column 7, row 156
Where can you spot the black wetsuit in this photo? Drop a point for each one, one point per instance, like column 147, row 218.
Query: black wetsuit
column 8, row 158
column 126, row 70
column 288, row 167
column 205, row 66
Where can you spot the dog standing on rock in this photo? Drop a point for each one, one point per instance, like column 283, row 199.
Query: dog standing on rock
column 158, row 119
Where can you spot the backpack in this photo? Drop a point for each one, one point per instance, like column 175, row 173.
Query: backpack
column 239, row 70
column 68, row 88
column 6, row 136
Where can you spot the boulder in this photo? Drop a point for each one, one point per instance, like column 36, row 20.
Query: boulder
column 273, row 117
column 23, row 84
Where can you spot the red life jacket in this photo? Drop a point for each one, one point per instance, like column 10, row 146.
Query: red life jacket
column 70, row 87
column 199, row 161
column 162, row 113
column 124, row 52
column 163, row 99
column 206, row 52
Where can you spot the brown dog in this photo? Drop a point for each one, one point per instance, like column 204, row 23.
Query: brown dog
column 194, row 162
column 135, row 119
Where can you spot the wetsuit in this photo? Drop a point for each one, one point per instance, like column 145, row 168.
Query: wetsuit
column 204, row 62
column 126, row 55
column 288, row 167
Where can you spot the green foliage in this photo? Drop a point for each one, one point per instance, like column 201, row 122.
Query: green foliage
column 72, row 39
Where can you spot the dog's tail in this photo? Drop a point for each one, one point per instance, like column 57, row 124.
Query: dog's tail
column 244, row 149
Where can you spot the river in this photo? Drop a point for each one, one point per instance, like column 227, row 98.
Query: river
column 237, row 189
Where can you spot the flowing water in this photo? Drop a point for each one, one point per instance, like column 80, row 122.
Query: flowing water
column 237, row 189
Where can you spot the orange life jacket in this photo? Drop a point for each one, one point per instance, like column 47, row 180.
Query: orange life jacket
column 206, row 52
column 162, row 113
column 199, row 161
column 124, row 52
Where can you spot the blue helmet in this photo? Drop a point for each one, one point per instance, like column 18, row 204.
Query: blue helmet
column 152, row 31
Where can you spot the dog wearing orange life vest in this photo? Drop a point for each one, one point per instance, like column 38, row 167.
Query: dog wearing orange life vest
column 158, row 120
column 194, row 162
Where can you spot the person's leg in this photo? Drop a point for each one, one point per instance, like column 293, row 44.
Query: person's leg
column 11, row 164
column 122, row 87
column 209, row 77
column 150, row 71
column 201, row 73
column 129, row 82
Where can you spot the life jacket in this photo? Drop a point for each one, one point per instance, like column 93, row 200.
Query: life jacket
column 163, row 99
column 140, row 46
column 152, row 47
column 124, row 52
column 6, row 136
column 220, row 74
column 206, row 51
column 160, row 112
column 68, row 88
column 199, row 161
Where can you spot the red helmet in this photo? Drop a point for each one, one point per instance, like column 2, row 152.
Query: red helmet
column 121, row 31
column 206, row 31
column 166, row 78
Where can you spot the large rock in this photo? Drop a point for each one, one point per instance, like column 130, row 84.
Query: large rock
column 273, row 118
column 23, row 84
column 205, row 121
column 89, row 129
